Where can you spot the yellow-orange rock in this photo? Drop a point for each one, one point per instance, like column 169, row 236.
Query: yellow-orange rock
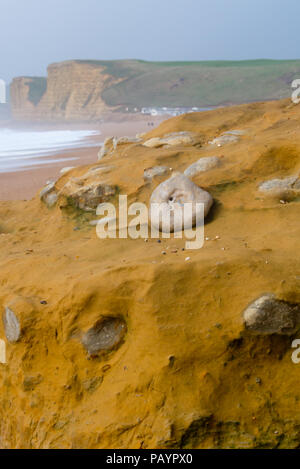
column 186, row 374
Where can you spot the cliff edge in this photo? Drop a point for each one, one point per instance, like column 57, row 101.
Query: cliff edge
column 71, row 92
column 83, row 90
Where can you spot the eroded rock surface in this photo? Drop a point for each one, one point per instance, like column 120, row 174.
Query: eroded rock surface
column 187, row 374
column 171, row 195
column 66, row 170
column 48, row 195
column 111, row 144
column 150, row 173
column 224, row 139
column 203, row 164
column 235, row 132
column 154, row 142
column 268, row 315
column 107, row 334
column 173, row 139
column 285, row 188
column 12, row 326
column 124, row 140
column 87, row 196
column 106, row 148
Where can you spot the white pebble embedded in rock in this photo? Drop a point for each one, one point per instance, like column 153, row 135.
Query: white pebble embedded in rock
column 202, row 165
column 11, row 324
column 268, row 315
column 168, row 203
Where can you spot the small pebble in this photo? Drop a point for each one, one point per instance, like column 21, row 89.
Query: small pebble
column 43, row 302
column 164, row 252
column 187, row 259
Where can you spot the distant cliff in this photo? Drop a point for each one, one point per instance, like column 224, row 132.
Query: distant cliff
column 71, row 92
column 83, row 90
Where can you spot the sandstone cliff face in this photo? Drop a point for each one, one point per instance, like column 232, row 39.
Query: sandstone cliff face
column 83, row 89
column 23, row 108
column 72, row 92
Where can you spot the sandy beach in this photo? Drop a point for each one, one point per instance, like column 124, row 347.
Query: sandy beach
column 24, row 184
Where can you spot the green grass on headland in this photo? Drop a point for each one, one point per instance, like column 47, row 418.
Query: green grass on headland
column 200, row 83
column 206, row 83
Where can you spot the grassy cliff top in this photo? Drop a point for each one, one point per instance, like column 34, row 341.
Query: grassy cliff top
column 205, row 83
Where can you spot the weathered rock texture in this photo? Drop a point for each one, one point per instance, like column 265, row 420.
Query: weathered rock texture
column 150, row 173
column 106, row 335
column 286, row 188
column 204, row 164
column 186, row 374
column 85, row 192
column 25, row 94
column 168, row 203
column 87, row 196
column 73, row 92
column 174, row 139
column 107, row 147
column 268, row 315
column 48, row 195
column 224, row 139
column 11, row 325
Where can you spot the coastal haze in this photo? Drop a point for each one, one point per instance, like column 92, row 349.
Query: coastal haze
column 114, row 334
column 35, row 34
column 81, row 66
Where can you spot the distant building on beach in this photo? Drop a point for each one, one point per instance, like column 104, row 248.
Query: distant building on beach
column 171, row 111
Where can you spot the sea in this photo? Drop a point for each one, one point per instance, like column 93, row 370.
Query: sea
column 24, row 149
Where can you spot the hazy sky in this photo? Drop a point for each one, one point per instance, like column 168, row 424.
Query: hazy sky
column 34, row 33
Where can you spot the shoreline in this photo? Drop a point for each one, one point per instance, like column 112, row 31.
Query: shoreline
column 24, row 184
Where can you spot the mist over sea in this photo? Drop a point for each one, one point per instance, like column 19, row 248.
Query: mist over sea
column 25, row 149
